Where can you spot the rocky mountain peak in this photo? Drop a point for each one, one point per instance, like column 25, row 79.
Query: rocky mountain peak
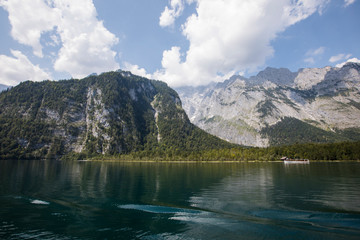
column 308, row 77
column 242, row 110
column 279, row 76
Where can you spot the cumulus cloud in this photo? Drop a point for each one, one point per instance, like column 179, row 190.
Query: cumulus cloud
column 169, row 15
column 339, row 57
column 229, row 36
column 85, row 42
column 348, row 2
column 19, row 68
column 354, row 60
column 29, row 19
column 135, row 69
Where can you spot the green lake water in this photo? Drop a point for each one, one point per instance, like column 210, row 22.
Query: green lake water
column 112, row 200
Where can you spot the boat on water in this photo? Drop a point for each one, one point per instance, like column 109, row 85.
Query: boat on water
column 287, row 160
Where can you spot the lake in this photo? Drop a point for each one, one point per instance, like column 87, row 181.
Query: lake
column 114, row 200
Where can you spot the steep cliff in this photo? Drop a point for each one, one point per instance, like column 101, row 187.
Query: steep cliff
column 112, row 113
column 280, row 107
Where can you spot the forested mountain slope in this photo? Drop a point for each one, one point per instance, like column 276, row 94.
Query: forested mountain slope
column 109, row 114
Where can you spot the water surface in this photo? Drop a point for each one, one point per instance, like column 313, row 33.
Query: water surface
column 107, row 200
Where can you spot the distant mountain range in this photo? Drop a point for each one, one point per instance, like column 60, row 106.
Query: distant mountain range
column 278, row 106
column 118, row 112
column 113, row 113
column 3, row 87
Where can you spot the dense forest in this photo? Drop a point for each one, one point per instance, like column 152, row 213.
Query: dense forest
column 117, row 115
column 291, row 131
column 349, row 151
column 110, row 114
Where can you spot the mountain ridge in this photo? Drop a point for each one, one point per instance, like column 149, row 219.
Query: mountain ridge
column 109, row 114
column 241, row 109
column 3, row 87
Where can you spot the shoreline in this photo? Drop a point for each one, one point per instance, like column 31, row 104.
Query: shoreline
column 202, row 161
column 177, row 161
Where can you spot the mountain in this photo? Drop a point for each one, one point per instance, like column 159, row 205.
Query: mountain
column 3, row 87
column 278, row 106
column 109, row 114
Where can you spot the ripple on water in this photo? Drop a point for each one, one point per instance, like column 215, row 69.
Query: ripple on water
column 39, row 202
column 157, row 209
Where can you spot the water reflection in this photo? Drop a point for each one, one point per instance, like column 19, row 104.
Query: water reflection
column 111, row 200
column 251, row 183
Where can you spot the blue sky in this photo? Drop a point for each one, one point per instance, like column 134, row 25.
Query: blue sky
column 182, row 42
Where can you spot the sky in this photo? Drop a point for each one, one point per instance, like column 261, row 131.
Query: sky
column 181, row 42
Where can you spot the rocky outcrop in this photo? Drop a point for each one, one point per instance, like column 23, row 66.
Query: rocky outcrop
column 239, row 109
column 108, row 114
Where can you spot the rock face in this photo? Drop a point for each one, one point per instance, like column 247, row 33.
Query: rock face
column 247, row 110
column 112, row 113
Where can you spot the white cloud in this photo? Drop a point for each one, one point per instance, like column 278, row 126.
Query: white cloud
column 316, row 52
column 339, row 57
column 228, row 36
column 310, row 60
column 29, row 19
column 135, row 69
column 169, row 15
column 348, row 2
column 85, row 42
column 19, row 68
column 354, row 60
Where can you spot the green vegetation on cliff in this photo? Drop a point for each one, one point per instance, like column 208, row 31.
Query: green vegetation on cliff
column 293, row 131
column 110, row 114
column 118, row 115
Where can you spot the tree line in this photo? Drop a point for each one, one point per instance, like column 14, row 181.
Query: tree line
column 313, row 151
